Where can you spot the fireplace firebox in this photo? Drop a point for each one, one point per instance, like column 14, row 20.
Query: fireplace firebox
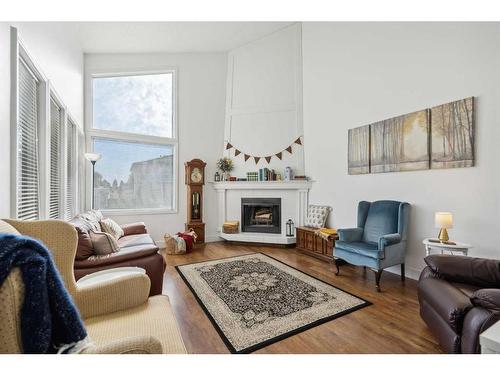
column 261, row 215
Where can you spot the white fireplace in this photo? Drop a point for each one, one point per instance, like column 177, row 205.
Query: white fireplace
column 292, row 195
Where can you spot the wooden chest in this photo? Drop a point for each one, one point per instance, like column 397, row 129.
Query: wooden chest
column 311, row 244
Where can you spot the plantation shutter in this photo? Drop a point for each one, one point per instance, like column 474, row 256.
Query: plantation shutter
column 55, row 161
column 70, row 202
column 27, row 184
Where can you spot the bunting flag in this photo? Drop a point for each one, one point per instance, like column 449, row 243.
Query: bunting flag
column 279, row 155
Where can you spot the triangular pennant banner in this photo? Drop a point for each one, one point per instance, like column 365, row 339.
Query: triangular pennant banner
column 289, row 149
column 268, row 159
column 256, row 158
column 228, row 146
column 278, row 155
column 236, row 152
column 246, row 157
column 298, row 141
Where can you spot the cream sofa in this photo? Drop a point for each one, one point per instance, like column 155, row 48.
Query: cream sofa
column 118, row 315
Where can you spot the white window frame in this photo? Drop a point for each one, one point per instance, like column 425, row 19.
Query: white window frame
column 92, row 134
column 47, row 90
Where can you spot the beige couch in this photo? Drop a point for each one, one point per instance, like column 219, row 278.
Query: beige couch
column 118, row 315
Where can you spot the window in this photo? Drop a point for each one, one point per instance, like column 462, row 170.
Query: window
column 71, row 171
column 42, row 130
column 133, row 130
column 55, row 188
column 139, row 104
column 27, row 171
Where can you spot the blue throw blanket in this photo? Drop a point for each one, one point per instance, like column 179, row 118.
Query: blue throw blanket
column 50, row 322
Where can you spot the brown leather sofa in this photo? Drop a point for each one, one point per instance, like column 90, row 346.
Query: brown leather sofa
column 459, row 298
column 137, row 249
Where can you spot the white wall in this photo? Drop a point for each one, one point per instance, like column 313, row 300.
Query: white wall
column 201, row 81
column 264, row 102
column 358, row 73
column 59, row 57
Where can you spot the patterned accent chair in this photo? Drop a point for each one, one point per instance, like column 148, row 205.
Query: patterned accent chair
column 379, row 241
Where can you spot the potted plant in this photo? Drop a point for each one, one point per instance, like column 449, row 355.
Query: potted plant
column 225, row 165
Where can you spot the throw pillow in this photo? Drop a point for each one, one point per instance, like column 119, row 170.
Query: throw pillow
column 104, row 243
column 111, row 227
column 316, row 216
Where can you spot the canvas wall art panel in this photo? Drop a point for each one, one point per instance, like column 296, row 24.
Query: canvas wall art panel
column 358, row 161
column 400, row 143
column 452, row 134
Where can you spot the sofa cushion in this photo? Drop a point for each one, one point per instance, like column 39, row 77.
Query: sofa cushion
column 135, row 240
column 85, row 247
column 104, row 243
column 447, row 301
column 367, row 249
column 110, row 226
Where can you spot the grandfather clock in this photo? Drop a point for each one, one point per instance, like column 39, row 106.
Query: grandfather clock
column 195, row 179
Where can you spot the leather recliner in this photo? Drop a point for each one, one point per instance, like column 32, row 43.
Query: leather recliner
column 459, row 298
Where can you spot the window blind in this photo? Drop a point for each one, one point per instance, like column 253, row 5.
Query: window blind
column 55, row 161
column 70, row 193
column 28, row 198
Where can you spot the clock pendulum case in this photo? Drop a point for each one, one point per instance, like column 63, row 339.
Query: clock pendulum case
column 195, row 179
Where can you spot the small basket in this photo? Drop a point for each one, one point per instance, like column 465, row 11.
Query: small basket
column 231, row 227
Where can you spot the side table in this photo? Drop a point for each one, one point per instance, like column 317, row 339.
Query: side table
column 459, row 247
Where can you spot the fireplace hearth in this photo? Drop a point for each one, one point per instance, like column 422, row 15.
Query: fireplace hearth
column 261, row 215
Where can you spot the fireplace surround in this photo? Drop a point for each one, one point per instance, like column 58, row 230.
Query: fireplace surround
column 261, row 215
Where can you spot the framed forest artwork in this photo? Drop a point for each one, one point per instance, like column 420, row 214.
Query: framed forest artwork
column 400, row 143
column 358, row 161
column 452, row 134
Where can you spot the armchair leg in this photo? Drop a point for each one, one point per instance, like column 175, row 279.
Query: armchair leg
column 337, row 266
column 378, row 273
column 403, row 277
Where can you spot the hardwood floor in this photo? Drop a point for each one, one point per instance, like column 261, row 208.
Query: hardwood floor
column 391, row 325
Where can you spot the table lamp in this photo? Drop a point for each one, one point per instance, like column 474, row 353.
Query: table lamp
column 443, row 221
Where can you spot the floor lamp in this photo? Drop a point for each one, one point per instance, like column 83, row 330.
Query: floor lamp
column 90, row 156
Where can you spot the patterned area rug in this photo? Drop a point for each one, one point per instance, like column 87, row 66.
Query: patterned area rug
column 255, row 300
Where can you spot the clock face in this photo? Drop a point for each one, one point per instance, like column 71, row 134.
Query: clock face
column 196, row 175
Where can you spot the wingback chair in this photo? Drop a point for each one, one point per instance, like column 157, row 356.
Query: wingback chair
column 379, row 241
column 117, row 313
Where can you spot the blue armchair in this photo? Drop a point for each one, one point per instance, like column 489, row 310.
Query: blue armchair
column 379, row 241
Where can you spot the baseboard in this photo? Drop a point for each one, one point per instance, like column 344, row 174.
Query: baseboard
column 410, row 272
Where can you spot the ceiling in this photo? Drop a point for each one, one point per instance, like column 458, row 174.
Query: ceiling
column 144, row 37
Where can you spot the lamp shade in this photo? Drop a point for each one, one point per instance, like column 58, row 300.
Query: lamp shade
column 90, row 156
column 443, row 220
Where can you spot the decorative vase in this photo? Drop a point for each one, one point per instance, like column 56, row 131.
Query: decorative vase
column 226, row 176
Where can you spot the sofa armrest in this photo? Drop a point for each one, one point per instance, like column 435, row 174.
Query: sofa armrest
column 112, row 295
column 350, row 234
column 129, row 345
column 134, row 228
column 388, row 240
column 487, row 298
column 475, row 271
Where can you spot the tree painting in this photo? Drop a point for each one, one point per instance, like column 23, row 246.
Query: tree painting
column 452, row 134
column 359, row 150
column 400, row 143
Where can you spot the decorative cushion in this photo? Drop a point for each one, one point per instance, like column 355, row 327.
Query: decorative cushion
column 104, row 243
column 316, row 216
column 111, row 227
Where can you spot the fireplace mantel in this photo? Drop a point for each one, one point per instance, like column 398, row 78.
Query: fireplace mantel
column 267, row 185
column 294, row 197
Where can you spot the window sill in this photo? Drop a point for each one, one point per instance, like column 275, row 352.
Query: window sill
column 142, row 211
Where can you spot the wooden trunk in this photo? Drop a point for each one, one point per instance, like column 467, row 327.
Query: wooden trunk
column 314, row 245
